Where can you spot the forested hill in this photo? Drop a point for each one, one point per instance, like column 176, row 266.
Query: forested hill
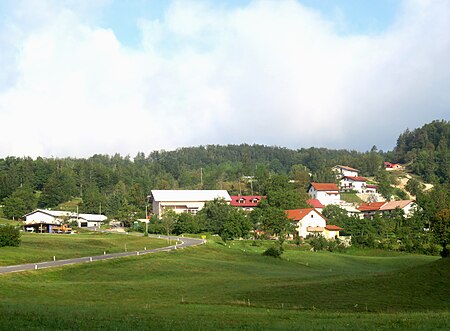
column 120, row 184
column 246, row 158
column 426, row 152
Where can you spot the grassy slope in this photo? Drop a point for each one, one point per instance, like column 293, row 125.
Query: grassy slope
column 9, row 222
column 350, row 197
column 220, row 287
column 42, row 247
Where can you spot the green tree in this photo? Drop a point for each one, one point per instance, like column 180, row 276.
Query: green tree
column 223, row 219
column 9, row 236
column 14, row 207
column 93, row 200
column 187, row 223
column 168, row 219
column 21, row 201
column 414, row 186
column 60, row 187
column 272, row 221
column 440, row 225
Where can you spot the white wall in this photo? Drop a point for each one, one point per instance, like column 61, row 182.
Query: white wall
column 324, row 197
column 312, row 219
column 40, row 217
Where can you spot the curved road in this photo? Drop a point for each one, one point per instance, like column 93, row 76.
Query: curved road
column 185, row 242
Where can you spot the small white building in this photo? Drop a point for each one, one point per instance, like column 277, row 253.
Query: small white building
column 342, row 171
column 44, row 218
column 326, row 193
column 184, row 201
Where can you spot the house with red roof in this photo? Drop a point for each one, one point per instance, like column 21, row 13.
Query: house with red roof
column 392, row 166
column 357, row 183
column 309, row 222
column 246, row 202
column 370, row 209
column 316, row 204
column 326, row 193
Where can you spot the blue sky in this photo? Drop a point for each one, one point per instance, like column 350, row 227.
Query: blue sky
column 81, row 77
column 356, row 16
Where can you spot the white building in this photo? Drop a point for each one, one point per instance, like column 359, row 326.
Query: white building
column 184, row 201
column 309, row 222
column 326, row 193
column 47, row 218
column 342, row 171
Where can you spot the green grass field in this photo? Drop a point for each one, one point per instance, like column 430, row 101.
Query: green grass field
column 37, row 247
column 233, row 286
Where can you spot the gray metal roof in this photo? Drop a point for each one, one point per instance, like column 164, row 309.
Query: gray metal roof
column 190, row 195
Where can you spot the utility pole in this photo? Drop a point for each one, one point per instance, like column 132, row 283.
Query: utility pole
column 201, row 177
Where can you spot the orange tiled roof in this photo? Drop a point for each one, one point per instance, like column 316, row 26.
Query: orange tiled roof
column 315, row 203
column 325, row 186
column 371, row 206
column 391, row 205
column 298, row 214
column 333, row 228
column 357, row 178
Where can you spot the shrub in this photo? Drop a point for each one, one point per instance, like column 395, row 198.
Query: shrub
column 9, row 236
column 318, row 243
column 273, row 252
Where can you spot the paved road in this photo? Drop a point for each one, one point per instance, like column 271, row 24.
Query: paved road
column 184, row 242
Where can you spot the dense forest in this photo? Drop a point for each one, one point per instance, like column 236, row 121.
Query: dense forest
column 118, row 186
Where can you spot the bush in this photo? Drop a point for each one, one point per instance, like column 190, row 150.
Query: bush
column 320, row 243
column 273, row 252
column 9, row 236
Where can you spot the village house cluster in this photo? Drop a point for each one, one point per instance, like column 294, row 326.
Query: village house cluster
column 307, row 221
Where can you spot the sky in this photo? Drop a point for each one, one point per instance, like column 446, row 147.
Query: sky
column 84, row 77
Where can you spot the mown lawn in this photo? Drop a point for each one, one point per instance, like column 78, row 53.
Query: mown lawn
column 39, row 247
column 233, row 286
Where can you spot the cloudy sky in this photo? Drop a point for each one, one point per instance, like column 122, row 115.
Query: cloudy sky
column 113, row 76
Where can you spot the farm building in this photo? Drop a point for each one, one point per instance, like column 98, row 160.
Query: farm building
column 42, row 220
column 184, row 201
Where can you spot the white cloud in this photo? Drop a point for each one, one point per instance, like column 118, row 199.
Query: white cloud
column 273, row 72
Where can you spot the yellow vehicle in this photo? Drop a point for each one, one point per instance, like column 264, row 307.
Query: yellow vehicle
column 61, row 229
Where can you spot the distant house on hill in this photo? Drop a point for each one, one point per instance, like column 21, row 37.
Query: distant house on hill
column 358, row 184
column 184, row 201
column 246, row 202
column 342, row 171
column 370, row 209
column 326, row 193
column 42, row 220
column 392, row 166
column 309, row 222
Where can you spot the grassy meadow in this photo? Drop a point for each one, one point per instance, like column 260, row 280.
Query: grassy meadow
column 40, row 247
column 218, row 286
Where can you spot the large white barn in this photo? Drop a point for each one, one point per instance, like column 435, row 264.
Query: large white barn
column 184, row 201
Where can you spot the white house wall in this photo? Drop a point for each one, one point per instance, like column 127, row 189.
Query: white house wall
column 324, row 197
column 312, row 219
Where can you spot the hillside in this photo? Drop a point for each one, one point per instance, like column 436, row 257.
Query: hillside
column 216, row 287
column 120, row 185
